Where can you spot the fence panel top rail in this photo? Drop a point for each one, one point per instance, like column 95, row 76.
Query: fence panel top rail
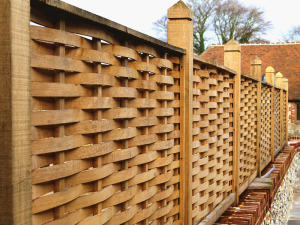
column 39, row 15
column 266, row 84
column 199, row 60
column 249, row 77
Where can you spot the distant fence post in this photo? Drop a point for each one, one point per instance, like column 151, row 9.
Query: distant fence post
column 270, row 79
column 15, row 116
column 279, row 83
column 232, row 60
column 255, row 71
column 180, row 33
column 286, row 119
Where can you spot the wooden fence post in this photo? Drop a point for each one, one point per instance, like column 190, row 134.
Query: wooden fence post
column 180, row 33
column 15, row 116
column 255, row 71
column 232, row 60
column 286, row 119
column 270, row 79
column 279, row 83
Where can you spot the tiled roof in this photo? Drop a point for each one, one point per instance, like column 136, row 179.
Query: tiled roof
column 283, row 57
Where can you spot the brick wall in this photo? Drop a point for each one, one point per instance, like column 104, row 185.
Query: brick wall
column 294, row 125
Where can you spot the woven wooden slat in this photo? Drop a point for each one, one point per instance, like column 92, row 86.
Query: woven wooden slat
column 276, row 118
column 248, row 115
column 284, row 128
column 265, row 141
column 212, row 139
column 105, row 128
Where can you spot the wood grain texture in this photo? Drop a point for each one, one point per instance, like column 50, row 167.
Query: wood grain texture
column 15, row 178
column 255, row 69
column 176, row 27
column 232, row 60
column 270, row 72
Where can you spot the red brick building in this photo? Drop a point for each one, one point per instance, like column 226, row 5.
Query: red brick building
column 283, row 57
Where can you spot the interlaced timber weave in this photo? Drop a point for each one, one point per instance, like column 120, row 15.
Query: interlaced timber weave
column 284, row 116
column 265, row 138
column 248, row 118
column 276, row 118
column 105, row 127
column 212, row 139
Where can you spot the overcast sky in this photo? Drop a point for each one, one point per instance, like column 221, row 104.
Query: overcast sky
column 140, row 14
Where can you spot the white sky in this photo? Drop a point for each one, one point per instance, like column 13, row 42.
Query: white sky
column 140, row 14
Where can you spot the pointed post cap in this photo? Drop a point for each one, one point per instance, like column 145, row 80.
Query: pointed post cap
column 279, row 75
column 255, row 61
column 270, row 75
column 180, row 11
column 232, row 46
column 270, row 69
column 285, row 83
column 255, row 68
column 279, row 80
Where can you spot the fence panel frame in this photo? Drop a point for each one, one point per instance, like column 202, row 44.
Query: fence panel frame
column 15, row 116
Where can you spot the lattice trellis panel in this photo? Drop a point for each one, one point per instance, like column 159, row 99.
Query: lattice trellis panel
column 265, row 138
column 248, row 123
column 212, row 140
column 105, row 128
column 276, row 119
column 284, row 128
column 230, row 80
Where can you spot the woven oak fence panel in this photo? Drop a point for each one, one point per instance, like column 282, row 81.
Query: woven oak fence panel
column 276, row 119
column 106, row 119
column 105, row 127
column 212, row 139
column 284, row 128
column 265, row 139
column 248, row 118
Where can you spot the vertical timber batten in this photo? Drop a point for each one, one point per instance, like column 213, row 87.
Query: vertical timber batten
column 15, row 117
column 180, row 34
column 232, row 60
column 279, row 83
column 270, row 79
column 286, row 119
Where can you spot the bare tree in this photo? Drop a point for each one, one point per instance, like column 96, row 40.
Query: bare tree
column 253, row 25
column 229, row 19
column 233, row 20
column 292, row 34
column 203, row 10
column 161, row 28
